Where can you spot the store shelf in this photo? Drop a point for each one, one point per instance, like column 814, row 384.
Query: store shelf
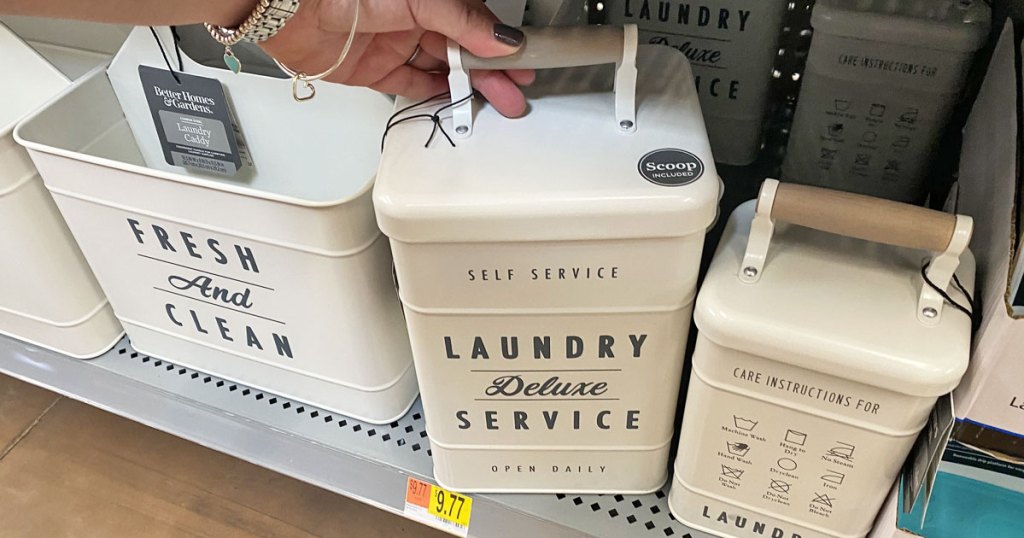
column 367, row 462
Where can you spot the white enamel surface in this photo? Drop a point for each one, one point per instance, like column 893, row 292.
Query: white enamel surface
column 48, row 295
column 310, row 310
column 564, row 171
column 809, row 385
column 342, row 124
column 534, row 254
column 835, row 305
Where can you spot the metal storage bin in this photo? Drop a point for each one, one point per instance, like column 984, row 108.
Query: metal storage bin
column 48, row 295
column 561, row 247
column 279, row 278
column 732, row 46
column 818, row 361
column 881, row 81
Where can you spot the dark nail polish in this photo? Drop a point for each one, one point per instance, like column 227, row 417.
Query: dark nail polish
column 508, row 35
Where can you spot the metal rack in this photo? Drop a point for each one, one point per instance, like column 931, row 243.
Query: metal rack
column 367, row 462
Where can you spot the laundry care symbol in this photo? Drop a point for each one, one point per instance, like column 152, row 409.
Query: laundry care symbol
column 744, row 424
column 823, row 499
column 843, row 451
column 780, row 486
column 732, row 472
column 737, row 448
column 834, row 477
column 796, row 438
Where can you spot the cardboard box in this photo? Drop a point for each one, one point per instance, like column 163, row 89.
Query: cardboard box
column 989, row 404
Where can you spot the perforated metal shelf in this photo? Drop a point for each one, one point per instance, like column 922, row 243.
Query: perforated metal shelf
column 364, row 461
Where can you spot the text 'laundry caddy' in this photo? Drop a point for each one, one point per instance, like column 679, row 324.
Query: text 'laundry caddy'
column 819, row 358
column 277, row 277
column 547, row 264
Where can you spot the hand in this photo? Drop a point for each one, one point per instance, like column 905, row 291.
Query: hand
column 388, row 33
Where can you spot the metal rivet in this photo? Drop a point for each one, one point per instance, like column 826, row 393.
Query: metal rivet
column 462, row 129
column 930, row 312
column 750, row 272
column 626, row 125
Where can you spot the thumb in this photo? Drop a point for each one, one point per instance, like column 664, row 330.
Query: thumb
column 470, row 24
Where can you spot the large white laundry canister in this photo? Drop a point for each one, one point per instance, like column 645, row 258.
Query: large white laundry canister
column 48, row 295
column 277, row 278
column 881, row 81
column 819, row 358
column 732, row 46
column 548, row 265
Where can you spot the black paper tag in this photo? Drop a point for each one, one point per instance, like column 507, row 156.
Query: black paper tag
column 193, row 121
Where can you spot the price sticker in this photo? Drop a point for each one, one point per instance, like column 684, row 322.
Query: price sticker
column 438, row 507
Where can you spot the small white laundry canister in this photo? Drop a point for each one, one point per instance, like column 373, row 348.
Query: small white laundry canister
column 548, row 264
column 277, row 278
column 881, row 81
column 819, row 357
column 48, row 295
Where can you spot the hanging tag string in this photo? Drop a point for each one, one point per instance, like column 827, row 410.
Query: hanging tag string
column 971, row 309
column 164, row 54
column 435, row 118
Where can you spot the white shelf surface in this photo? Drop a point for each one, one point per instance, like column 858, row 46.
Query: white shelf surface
column 367, row 462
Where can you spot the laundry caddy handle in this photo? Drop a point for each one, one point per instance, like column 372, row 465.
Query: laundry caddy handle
column 553, row 47
column 861, row 217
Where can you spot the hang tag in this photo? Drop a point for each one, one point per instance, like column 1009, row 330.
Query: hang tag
column 193, row 121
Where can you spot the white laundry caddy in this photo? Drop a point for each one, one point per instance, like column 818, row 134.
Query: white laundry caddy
column 818, row 361
column 48, row 295
column 548, row 265
column 278, row 278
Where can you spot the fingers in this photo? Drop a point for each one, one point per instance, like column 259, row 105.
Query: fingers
column 522, row 77
column 412, row 83
column 503, row 94
column 469, row 23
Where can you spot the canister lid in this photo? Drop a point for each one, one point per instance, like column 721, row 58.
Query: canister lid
column 32, row 80
column 953, row 25
column 564, row 171
column 836, row 305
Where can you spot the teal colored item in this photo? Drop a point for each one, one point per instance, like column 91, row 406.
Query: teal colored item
column 967, row 507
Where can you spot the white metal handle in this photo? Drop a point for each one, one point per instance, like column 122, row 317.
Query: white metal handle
column 866, row 218
column 552, row 47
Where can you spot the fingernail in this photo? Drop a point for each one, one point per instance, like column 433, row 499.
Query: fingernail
column 508, row 35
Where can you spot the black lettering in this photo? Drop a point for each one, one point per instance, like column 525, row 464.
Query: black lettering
column 195, row 319
column 170, row 314
column 221, row 258
column 464, row 423
column 190, row 246
column 632, row 417
column 284, row 347
column 549, row 419
column 491, row 417
column 600, row 420
column 479, row 349
column 448, row 348
column 251, row 340
column 638, row 342
column 510, row 347
column 134, row 224
column 224, row 332
column 604, row 347
column 542, row 347
column 573, row 347
column 519, row 417
column 247, row 259
column 161, row 235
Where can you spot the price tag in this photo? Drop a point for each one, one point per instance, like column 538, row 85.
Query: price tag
column 438, row 507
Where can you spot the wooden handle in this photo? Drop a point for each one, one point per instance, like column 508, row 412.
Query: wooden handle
column 551, row 47
column 864, row 217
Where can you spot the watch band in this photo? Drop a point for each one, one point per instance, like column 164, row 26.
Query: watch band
column 274, row 18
